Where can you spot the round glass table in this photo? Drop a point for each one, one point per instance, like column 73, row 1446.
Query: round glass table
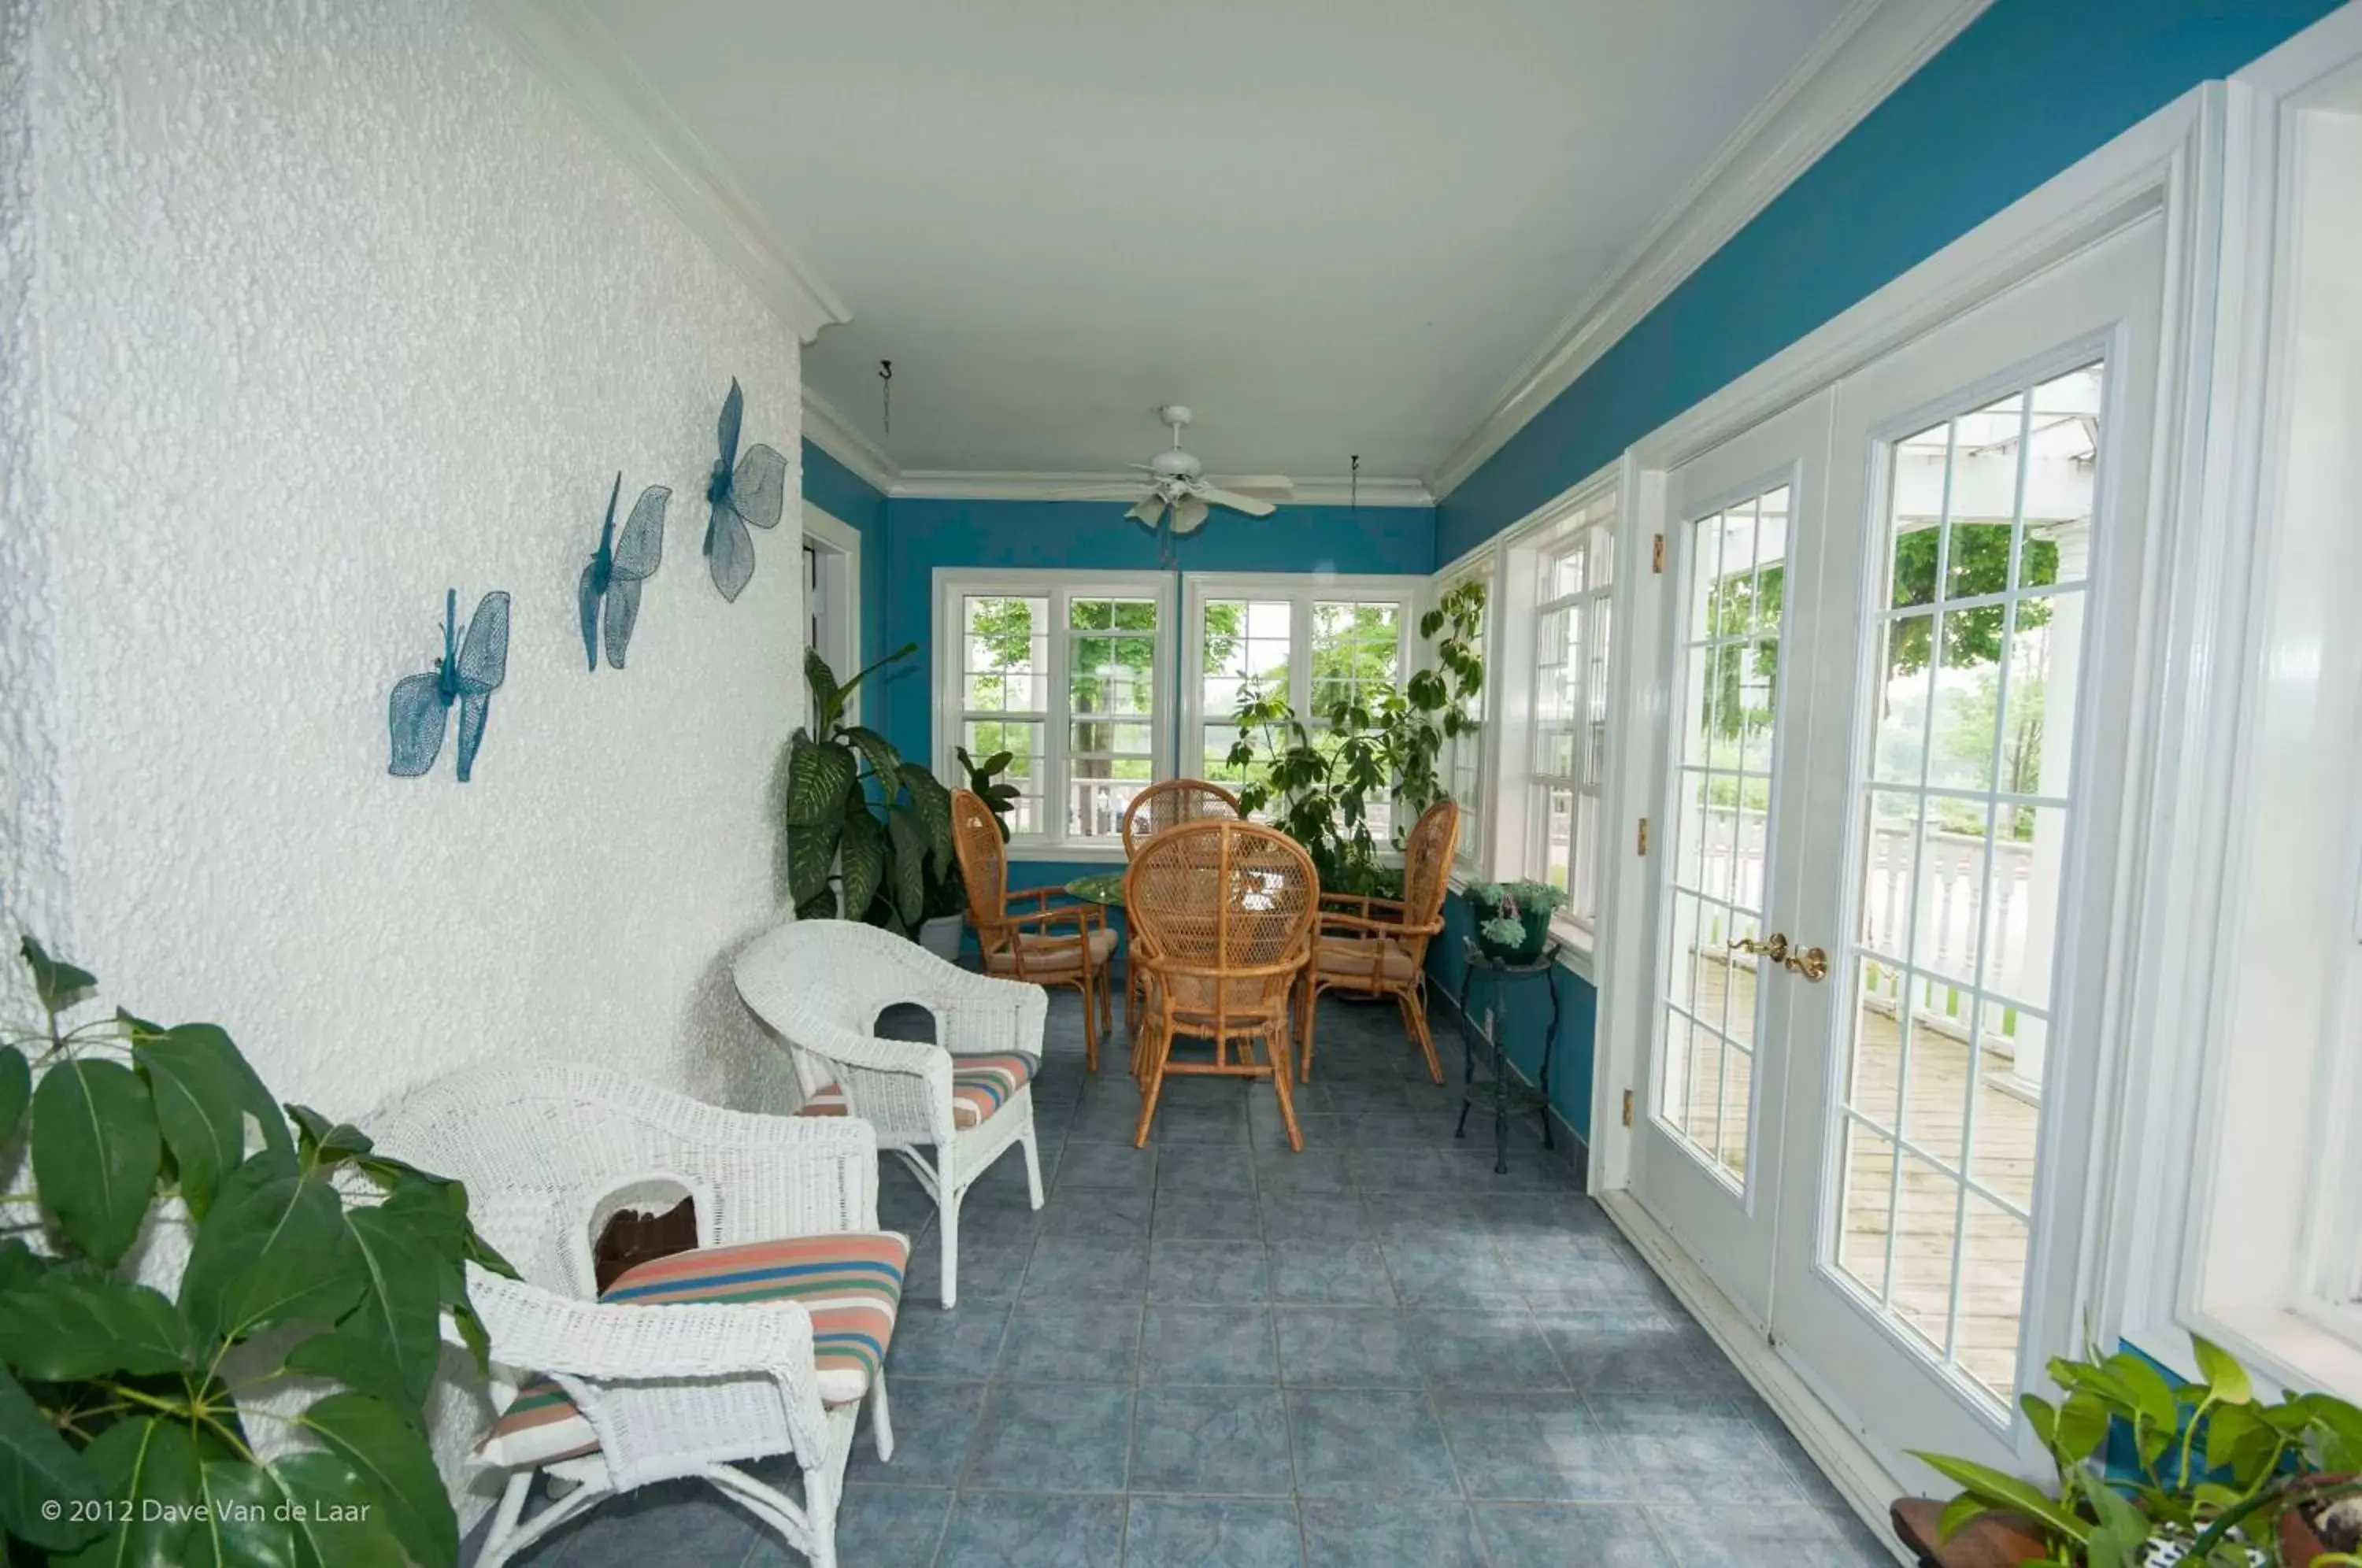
column 1103, row 887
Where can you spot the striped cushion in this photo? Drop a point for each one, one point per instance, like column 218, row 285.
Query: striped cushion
column 980, row 1085
column 851, row 1284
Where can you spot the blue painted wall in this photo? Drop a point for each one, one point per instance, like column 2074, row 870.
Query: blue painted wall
column 1524, row 1017
column 846, row 496
column 2027, row 90
column 1096, row 535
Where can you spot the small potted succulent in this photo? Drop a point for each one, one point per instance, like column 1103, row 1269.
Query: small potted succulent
column 1513, row 919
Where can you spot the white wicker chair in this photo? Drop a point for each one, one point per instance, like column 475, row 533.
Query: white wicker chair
column 821, row 985
column 548, row 1152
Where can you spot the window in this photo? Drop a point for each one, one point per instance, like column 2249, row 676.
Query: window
column 1066, row 672
column 1572, row 627
column 1316, row 641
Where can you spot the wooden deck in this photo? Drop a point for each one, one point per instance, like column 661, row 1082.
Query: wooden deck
column 1927, row 1211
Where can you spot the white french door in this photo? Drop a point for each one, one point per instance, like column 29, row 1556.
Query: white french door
column 1707, row 1153
column 1913, row 813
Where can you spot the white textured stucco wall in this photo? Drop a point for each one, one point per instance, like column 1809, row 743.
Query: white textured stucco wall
column 312, row 310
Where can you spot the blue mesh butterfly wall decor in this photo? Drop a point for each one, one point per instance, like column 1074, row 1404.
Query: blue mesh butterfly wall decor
column 467, row 675
column 743, row 491
column 615, row 572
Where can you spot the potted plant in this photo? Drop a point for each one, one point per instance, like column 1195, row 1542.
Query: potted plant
column 1317, row 788
column 137, row 1388
column 2210, row 1475
column 946, row 896
column 1513, row 919
column 869, row 835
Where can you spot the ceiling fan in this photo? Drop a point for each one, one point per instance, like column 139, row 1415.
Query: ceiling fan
column 1176, row 483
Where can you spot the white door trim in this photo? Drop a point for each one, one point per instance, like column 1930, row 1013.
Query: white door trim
column 839, row 544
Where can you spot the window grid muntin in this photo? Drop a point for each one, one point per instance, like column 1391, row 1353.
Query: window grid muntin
column 1702, row 647
column 1570, row 701
column 1977, row 994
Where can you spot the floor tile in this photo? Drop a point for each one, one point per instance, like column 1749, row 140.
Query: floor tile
column 1368, row 1444
column 1587, row 1537
column 1232, row 1441
column 989, row 1269
column 930, row 1342
column 1052, row 1437
column 1744, row 1535
column 1663, row 1437
column 1446, row 1270
column 1206, row 1170
column 887, row 1527
column 1537, row 1447
column 1212, row 1532
column 1071, row 1339
column 1116, row 1213
column 1314, row 1217
column 1329, row 1270
column 1346, row 1347
column 1483, row 1346
column 686, row 1520
column 1069, row 1267
column 1223, row 1344
column 1207, row 1272
column 1106, row 1165
column 1185, row 1215
column 1390, row 1535
column 1015, row 1530
column 933, row 1423
column 1637, row 1350
column 1320, row 1169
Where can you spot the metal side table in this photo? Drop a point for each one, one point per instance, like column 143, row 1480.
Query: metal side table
column 1501, row 1094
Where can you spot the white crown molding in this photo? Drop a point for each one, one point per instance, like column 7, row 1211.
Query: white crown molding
column 568, row 49
column 833, row 434
column 1867, row 55
column 945, row 484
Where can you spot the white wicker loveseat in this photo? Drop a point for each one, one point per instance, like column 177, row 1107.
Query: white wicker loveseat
column 688, row 1388
column 821, row 984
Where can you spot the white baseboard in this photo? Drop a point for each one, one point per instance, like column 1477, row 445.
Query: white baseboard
column 1857, row 1473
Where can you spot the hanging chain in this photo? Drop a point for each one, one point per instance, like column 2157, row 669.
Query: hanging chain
column 886, row 393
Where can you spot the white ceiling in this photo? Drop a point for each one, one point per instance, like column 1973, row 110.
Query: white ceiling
column 1331, row 227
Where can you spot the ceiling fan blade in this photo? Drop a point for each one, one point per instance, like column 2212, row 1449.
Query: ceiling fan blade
column 1272, row 487
column 1188, row 514
column 1234, row 501
column 1147, row 512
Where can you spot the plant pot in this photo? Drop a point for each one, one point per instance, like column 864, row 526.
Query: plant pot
column 941, row 936
column 2300, row 1542
column 1537, row 937
column 1993, row 1541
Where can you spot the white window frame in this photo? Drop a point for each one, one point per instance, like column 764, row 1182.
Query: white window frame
column 1522, row 826
column 836, row 545
column 1300, row 590
column 953, row 588
column 2238, row 1204
column 1473, row 860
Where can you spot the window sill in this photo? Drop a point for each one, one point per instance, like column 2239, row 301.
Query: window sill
column 2284, row 1347
column 1575, row 952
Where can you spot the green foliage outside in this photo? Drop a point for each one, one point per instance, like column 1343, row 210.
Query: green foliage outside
column 1741, row 675
column 128, row 1428
column 2213, row 1463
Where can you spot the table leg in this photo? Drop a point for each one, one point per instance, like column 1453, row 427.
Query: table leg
column 1467, row 1050
column 1500, row 1103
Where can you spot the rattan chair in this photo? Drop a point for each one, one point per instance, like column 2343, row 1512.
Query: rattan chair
column 1377, row 947
column 1049, row 943
column 1153, row 810
column 1225, row 912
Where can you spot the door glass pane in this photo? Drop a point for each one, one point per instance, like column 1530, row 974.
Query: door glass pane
column 1730, row 683
column 1961, row 824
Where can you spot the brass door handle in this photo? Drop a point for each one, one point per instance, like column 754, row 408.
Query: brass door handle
column 1813, row 962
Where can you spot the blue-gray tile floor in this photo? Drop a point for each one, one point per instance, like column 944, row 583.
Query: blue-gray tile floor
column 1213, row 1350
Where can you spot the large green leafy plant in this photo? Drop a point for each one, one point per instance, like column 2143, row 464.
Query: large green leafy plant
column 1318, row 787
column 2207, row 1466
column 131, row 1420
column 868, row 835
